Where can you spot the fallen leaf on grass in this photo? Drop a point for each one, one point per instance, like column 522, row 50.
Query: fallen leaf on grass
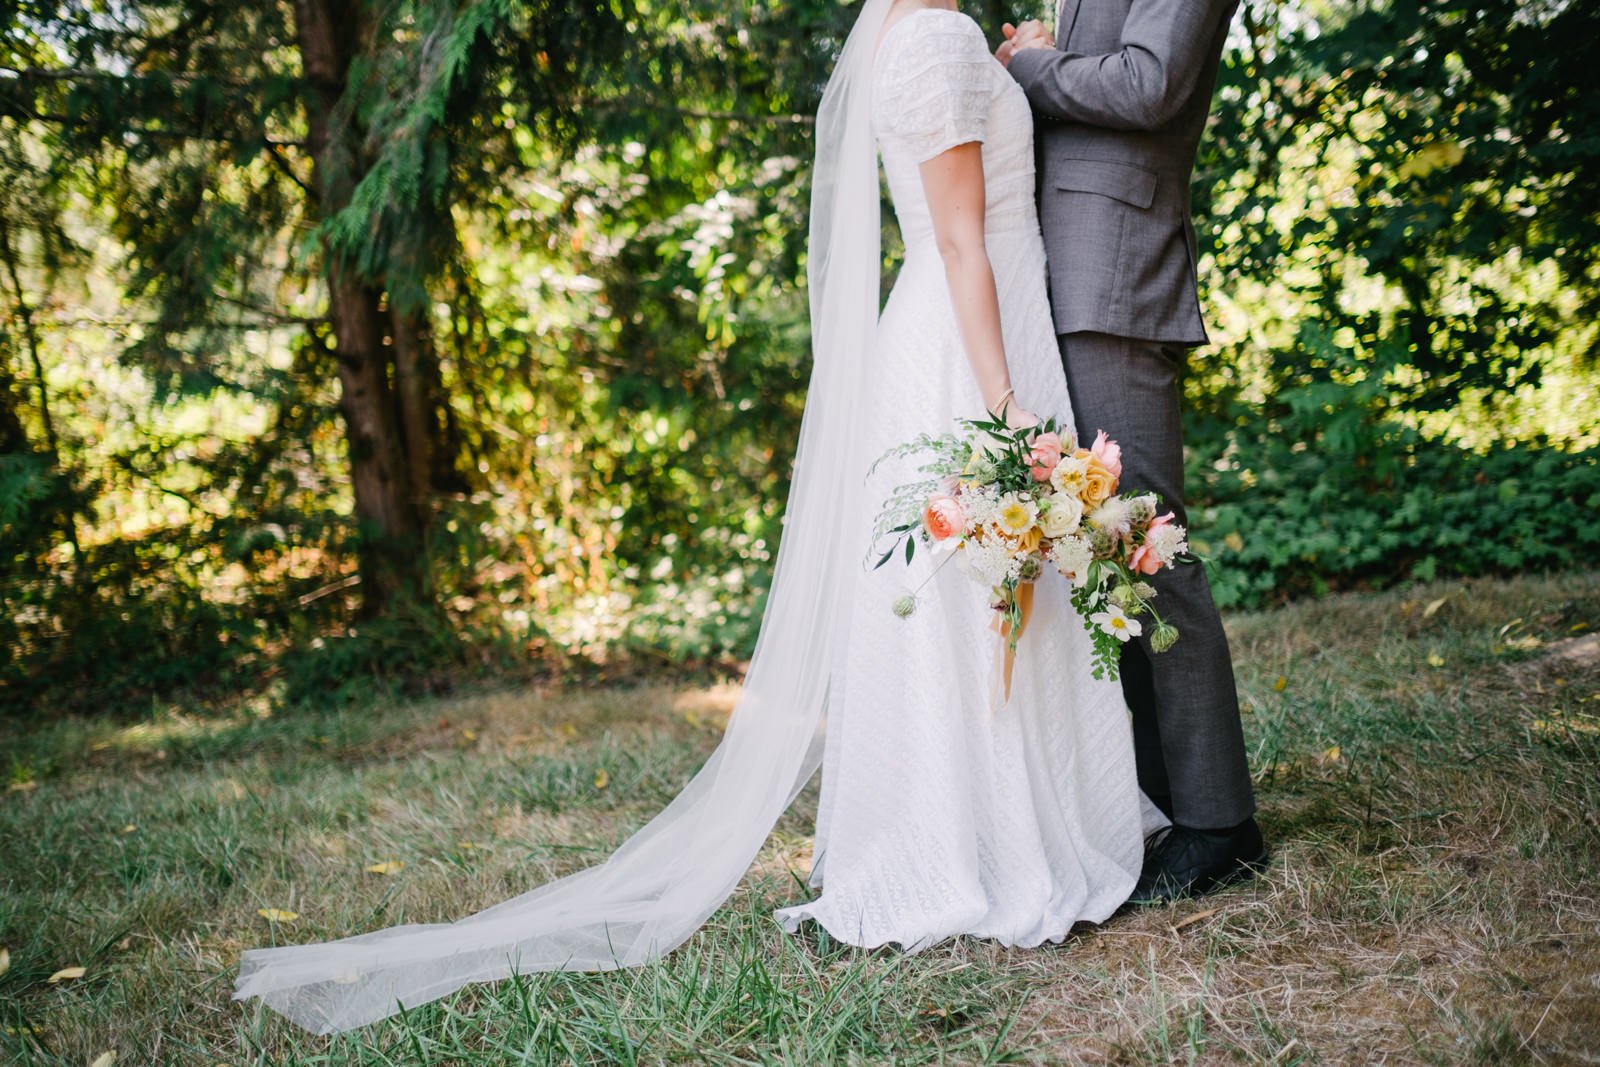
column 1331, row 754
column 469, row 735
column 1280, row 685
column 1435, row 660
column 1433, row 606
column 22, row 787
column 1197, row 917
column 387, row 867
column 1562, row 725
column 105, row 1059
column 5, row 960
column 601, row 778
column 65, row 974
column 278, row 915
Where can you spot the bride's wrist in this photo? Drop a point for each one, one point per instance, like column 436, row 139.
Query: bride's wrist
column 1005, row 400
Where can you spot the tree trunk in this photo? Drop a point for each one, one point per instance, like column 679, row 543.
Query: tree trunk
column 13, row 435
column 412, row 344
column 393, row 564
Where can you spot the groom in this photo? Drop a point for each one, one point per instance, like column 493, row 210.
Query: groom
column 1121, row 96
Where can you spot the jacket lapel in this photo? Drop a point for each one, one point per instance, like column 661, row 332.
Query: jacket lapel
column 1066, row 15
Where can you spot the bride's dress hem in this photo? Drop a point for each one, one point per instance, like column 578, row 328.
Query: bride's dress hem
column 1053, row 929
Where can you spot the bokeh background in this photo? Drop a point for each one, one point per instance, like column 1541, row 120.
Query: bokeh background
column 390, row 344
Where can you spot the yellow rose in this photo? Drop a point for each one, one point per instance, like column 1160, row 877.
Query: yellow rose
column 1098, row 484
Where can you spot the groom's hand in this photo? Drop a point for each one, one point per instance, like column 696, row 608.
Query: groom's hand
column 1031, row 34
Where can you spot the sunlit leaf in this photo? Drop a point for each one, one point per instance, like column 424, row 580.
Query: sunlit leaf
column 105, row 1059
column 65, row 974
column 387, row 867
column 278, row 915
column 1431, row 157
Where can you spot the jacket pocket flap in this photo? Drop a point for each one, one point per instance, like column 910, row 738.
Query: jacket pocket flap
column 1128, row 182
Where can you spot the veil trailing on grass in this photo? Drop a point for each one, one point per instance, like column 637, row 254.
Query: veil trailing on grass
column 662, row 883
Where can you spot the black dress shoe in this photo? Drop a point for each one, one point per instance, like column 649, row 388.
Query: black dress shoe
column 1184, row 862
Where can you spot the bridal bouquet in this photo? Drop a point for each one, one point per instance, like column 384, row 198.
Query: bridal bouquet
column 1012, row 502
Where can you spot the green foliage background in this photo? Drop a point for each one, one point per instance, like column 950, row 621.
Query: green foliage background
column 600, row 211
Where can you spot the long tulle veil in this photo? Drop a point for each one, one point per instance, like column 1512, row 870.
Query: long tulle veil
column 662, row 883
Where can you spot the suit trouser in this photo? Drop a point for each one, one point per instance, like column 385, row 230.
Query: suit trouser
column 1188, row 739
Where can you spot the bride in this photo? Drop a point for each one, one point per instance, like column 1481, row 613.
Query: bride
column 935, row 818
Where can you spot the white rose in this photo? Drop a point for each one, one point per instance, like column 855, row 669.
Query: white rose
column 1063, row 515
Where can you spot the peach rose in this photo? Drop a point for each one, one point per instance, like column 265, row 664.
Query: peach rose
column 1144, row 560
column 1099, row 483
column 1108, row 452
column 1046, row 453
column 1030, row 540
column 944, row 517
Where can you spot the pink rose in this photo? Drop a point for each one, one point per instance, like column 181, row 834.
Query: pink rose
column 1160, row 520
column 1108, row 452
column 1144, row 560
column 1045, row 455
column 943, row 516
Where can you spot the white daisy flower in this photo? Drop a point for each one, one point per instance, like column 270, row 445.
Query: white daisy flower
column 1016, row 514
column 1069, row 475
column 1114, row 622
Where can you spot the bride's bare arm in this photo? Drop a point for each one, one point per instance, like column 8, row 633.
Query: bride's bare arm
column 953, row 184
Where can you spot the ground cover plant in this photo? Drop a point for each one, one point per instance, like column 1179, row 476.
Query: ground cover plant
column 1426, row 768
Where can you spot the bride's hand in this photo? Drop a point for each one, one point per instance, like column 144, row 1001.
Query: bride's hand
column 1019, row 418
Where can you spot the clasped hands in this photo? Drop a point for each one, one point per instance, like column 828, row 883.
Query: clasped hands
column 1031, row 34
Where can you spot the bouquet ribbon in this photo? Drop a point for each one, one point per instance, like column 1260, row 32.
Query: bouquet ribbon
column 1005, row 655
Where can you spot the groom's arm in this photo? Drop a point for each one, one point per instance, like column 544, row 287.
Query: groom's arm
column 1165, row 44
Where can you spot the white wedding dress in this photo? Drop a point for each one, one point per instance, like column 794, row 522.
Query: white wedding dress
column 935, row 819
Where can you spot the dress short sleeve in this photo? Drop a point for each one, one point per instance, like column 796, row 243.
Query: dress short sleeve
column 934, row 84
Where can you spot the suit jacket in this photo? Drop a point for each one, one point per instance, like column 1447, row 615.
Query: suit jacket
column 1120, row 104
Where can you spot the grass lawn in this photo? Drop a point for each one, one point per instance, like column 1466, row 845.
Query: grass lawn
column 1428, row 769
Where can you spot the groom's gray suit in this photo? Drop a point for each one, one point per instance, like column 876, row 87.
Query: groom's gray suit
column 1121, row 102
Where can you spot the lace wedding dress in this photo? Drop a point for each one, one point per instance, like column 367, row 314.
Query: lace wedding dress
column 934, row 818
